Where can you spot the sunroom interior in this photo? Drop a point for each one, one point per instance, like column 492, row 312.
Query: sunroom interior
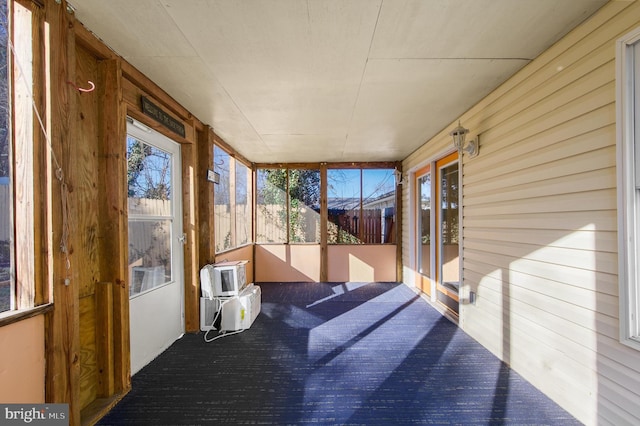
column 314, row 140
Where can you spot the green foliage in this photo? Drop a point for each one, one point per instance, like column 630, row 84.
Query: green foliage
column 135, row 164
column 300, row 190
column 304, row 193
column 338, row 235
column 276, row 183
column 304, row 186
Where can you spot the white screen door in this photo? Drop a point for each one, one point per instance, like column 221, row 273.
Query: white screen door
column 155, row 251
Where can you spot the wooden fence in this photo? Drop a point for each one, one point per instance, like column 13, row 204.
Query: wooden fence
column 149, row 234
column 223, row 226
column 377, row 226
column 271, row 225
column 351, row 224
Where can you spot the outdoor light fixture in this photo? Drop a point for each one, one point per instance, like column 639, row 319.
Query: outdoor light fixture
column 399, row 178
column 458, row 134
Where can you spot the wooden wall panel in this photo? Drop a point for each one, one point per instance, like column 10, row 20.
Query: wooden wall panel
column 88, row 356
column 539, row 223
column 62, row 325
column 113, row 217
column 87, row 191
column 82, row 175
column 87, row 330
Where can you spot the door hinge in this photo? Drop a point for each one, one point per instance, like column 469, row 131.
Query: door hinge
column 183, row 238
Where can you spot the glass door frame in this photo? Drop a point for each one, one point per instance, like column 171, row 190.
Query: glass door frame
column 430, row 283
column 424, row 281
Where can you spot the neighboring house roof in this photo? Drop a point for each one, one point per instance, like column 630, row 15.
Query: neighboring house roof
column 347, row 203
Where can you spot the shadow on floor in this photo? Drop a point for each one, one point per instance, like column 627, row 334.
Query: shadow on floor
column 335, row 353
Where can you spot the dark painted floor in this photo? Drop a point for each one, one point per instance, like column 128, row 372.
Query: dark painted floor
column 331, row 353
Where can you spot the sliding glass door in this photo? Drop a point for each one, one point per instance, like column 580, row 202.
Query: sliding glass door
column 437, row 231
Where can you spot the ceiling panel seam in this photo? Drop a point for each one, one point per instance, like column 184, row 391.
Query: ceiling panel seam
column 364, row 71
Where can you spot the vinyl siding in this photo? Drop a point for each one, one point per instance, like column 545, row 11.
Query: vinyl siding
column 539, row 223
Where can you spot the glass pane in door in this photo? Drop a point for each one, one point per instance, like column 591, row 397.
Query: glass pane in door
column 150, row 216
column 448, row 233
column 148, row 173
column 424, row 225
column 149, row 254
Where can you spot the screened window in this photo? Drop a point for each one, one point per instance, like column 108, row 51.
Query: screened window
column 232, row 201
column 271, row 213
column 378, row 206
column 361, row 206
column 243, row 204
column 222, row 200
column 288, row 206
column 304, row 206
column 344, row 190
column 628, row 105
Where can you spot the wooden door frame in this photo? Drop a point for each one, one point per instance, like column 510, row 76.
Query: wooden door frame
column 416, row 193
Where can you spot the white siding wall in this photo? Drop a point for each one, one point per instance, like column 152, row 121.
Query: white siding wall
column 540, row 243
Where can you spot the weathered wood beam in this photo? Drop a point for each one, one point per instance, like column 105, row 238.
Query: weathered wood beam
column 114, row 226
column 206, row 234
column 62, row 325
column 324, row 224
column 190, row 228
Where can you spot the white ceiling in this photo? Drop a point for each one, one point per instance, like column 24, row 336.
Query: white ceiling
column 329, row 80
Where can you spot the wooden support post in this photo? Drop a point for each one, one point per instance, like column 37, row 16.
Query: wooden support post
column 190, row 228
column 232, row 201
column 324, row 225
column 62, row 325
column 398, row 220
column 206, row 240
column 113, row 220
column 254, row 217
